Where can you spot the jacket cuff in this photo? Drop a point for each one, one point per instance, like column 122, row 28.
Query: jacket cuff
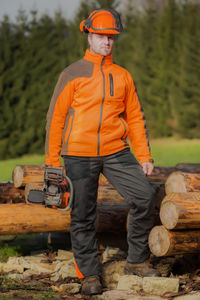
column 52, row 164
column 147, row 160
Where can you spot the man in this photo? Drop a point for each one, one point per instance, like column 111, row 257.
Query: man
column 93, row 110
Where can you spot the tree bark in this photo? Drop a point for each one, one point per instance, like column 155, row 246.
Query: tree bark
column 160, row 174
column 180, row 182
column 167, row 243
column 181, row 211
column 190, row 167
column 31, row 218
column 10, row 194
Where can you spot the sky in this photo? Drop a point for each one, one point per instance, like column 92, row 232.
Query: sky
column 11, row 7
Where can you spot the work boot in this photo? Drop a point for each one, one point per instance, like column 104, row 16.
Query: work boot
column 144, row 269
column 91, row 285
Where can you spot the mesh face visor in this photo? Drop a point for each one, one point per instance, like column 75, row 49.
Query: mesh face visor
column 117, row 18
column 103, row 20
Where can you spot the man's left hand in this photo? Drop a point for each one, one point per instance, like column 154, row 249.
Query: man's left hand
column 147, row 167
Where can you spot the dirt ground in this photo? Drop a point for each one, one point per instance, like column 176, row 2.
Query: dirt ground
column 41, row 287
column 185, row 267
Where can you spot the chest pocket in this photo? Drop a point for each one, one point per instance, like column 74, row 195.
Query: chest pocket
column 111, row 85
column 116, row 88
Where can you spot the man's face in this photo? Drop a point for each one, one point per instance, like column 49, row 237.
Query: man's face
column 101, row 43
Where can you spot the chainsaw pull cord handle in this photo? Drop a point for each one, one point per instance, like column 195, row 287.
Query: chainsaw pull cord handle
column 71, row 193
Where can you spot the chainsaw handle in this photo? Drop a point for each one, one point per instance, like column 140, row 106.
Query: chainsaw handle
column 71, row 193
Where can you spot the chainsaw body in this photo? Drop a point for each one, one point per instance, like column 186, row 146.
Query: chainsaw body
column 57, row 190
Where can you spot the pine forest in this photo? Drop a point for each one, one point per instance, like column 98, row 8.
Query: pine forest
column 160, row 47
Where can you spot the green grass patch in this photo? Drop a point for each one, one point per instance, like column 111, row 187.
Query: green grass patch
column 8, row 251
column 166, row 152
column 7, row 166
column 171, row 151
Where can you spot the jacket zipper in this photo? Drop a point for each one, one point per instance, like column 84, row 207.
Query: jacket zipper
column 101, row 111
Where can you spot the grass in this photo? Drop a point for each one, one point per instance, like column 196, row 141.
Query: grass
column 8, row 251
column 166, row 152
column 171, row 151
column 7, row 166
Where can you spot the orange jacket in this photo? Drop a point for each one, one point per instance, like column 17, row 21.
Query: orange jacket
column 93, row 110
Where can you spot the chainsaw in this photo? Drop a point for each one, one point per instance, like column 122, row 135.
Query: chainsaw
column 57, row 190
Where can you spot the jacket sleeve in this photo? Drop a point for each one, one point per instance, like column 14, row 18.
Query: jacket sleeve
column 134, row 116
column 56, row 116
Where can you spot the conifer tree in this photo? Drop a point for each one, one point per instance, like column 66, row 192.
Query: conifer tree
column 160, row 46
column 187, row 92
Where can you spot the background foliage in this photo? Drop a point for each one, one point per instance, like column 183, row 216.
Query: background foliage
column 160, row 46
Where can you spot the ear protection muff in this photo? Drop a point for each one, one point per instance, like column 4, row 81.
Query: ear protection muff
column 87, row 24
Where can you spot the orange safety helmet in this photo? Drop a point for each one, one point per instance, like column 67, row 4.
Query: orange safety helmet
column 105, row 21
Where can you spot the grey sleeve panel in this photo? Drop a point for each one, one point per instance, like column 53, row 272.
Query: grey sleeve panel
column 81, row 68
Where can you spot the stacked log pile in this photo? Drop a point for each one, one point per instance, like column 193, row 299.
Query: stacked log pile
column 179, row 215
column 31, row 176
column 19, row 217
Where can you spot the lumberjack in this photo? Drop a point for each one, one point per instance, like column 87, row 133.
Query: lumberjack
column 94, row 108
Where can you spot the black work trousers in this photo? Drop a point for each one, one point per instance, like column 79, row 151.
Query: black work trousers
column 126, row 175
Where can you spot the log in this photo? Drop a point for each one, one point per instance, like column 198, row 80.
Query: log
column 167, row 243
column 180, row 182
column 112, row 212
column 11, row 194
column 160, row 174
column 189, row 167
column 32, row 218
column 181, row 211
column 24, row 174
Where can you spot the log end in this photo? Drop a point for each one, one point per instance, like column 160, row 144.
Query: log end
column 175, row 183
column 159, row 241
column 17, row 176
column 169, row 214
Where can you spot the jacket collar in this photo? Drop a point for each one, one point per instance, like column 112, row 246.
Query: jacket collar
column 97, row 58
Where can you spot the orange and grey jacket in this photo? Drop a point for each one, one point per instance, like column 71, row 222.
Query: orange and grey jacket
column 93, row 110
